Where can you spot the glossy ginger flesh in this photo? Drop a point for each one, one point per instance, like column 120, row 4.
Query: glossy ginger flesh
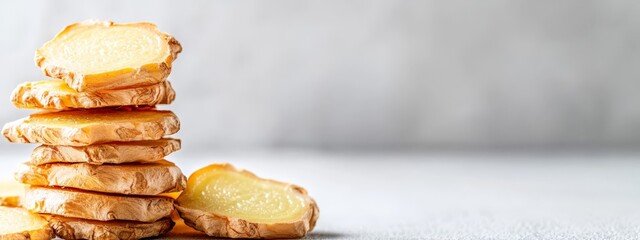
column 103, row 49
column 53, row 85
column 237, row 195
column 78, row 117
column 16, row 220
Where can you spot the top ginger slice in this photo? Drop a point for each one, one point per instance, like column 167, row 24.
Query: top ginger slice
column 98, row 55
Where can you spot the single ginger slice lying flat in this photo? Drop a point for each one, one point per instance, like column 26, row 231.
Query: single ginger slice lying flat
column 224, row 202
column 87, row 127
column 134, row 178
column 112, row 153
column 74, row 203
column 74, row 228
column 19, row 224
column 95, row 55
column 57, row 95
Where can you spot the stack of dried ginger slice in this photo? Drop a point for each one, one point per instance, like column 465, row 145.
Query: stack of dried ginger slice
column 100, row 171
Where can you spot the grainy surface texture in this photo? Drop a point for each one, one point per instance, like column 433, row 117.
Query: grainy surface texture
column 452, row 196
column 459, row 196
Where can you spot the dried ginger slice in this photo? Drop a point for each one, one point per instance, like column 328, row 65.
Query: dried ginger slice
column 134, row 179
column 112, row 153
column 18, row 224
column 75, row 203
column 224, row 202
column 95, row 55
column 87, row 127
column 75, row 228
column 57, row 95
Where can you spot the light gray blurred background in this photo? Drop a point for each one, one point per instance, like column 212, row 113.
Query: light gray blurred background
column 375, row 75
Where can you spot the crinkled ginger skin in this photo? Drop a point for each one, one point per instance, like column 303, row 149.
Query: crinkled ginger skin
column 112, row 153
column 73, row 228
column 68, row 202
column 140, row 75
column 216, row 225
column 137, row 179
column 55, row 95
column 63, row 128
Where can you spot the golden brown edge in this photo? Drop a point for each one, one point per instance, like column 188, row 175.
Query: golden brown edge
column 19, row 131
column 41, row 99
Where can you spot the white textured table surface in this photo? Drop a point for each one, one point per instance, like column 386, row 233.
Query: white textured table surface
column 454, row 196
